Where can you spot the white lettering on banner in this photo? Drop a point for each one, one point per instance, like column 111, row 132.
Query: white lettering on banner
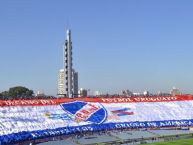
column 129, row 125
column 116, row 100
column 29, row 102
column 155, row 99
column 47, row 102
column 190, row 123
column 138, row 99
column 174, row 123
column 123, row 99
column 84, row 128
column 153, row 124
column 64, row 131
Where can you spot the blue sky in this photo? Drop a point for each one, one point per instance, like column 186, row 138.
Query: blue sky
column 117, row 44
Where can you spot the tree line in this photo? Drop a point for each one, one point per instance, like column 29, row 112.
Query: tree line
column 18, row 92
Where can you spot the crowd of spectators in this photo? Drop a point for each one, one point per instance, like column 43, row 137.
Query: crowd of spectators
column 87, row 135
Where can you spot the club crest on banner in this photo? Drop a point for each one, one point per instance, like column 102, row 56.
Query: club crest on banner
column 86, row 111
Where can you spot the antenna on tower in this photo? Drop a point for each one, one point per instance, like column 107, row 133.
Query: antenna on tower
column 67, row 23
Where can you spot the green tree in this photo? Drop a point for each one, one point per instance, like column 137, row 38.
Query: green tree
column 5, row 93
column 1, row 96
column 20, row 92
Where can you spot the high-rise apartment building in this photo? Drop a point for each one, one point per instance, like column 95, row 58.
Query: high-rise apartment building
column 83, row 92
column 68, row 77
column 75, row 82
column 61, row 82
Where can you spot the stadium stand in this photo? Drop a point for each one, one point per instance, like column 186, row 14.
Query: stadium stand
column 62, row 142
column 96, row 139
column 171, row 132
column 133, row 134
column 123, row 137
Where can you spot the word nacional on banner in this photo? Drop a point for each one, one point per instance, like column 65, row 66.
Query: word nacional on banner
column 100, row 100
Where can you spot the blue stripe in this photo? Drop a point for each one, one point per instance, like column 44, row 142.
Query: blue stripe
column 23, row 136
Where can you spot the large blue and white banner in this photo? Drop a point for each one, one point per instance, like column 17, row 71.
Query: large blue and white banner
column 32, row 119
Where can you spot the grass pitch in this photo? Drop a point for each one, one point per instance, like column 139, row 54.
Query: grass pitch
column 176, row 142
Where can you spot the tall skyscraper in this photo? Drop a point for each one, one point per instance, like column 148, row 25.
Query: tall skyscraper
column 68, row 77
column 61, row 82
column 75, row 82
